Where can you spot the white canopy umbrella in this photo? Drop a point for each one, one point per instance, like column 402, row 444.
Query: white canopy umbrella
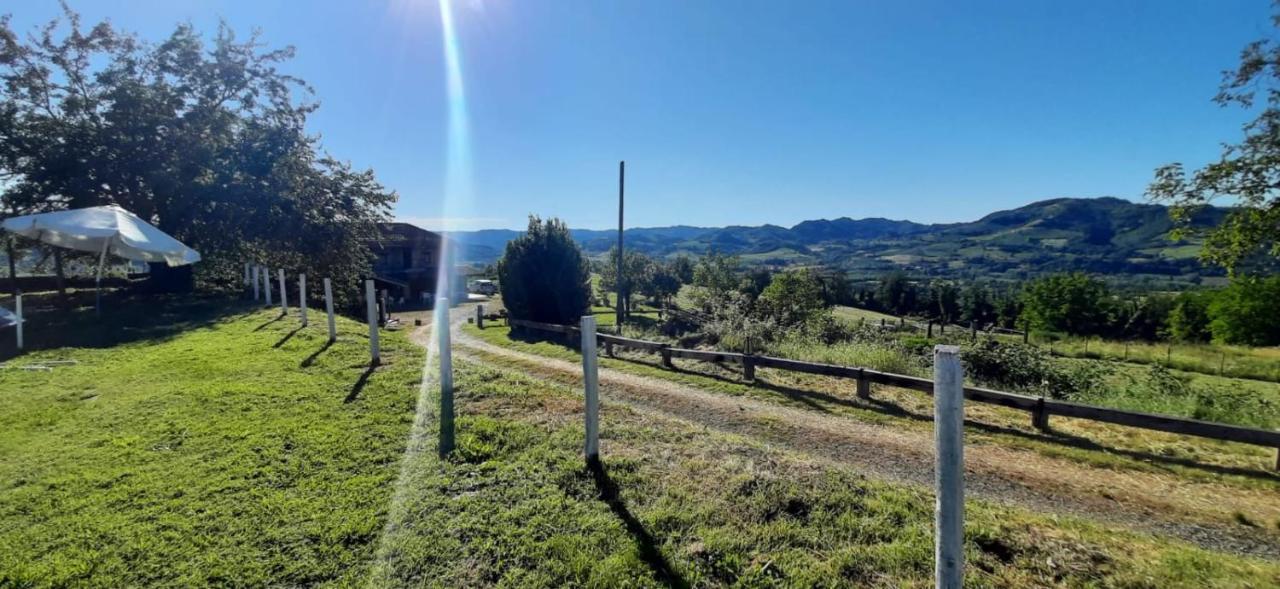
column 103, row 230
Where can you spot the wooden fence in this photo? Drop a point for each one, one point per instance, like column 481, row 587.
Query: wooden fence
column 1040, row 408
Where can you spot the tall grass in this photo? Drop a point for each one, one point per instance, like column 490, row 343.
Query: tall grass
column 885, row 357
column 1221, row 360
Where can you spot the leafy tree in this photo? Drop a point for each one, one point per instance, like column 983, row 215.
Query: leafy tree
column 896, row 294
column 1189, row 318
column 682, row 269
column 792, row 298
column 636, row 270
column 661, row 282
column 543, row 275
column 716, row 274
column 944, row 301
column 1008, row 310
column 754, row 281
column 1145, row 318
column 1245, row 172
column 1247, row 312
column 976, row 304
column 204, row 138
column 1073, row 303
column 837, row 289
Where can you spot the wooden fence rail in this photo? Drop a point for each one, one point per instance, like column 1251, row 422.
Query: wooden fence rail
column 1040, row 408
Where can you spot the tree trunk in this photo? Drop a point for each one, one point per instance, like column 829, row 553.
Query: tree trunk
column 59, row 275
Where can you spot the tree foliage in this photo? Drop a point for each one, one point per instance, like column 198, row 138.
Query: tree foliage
column 1247, row 312
column 1248, row 171
column 543, row 275
column 792, row 298
column 1072, row 303
column 205, row 138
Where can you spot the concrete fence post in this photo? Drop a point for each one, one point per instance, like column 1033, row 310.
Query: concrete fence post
column 371, row 315
column 266, row 283
column 328, row 309
column 246, row 274
column 256, row 296
column 446, row 375
column 284, row 294
column 17, row 310
column 302, row 298
column 948, row 425
column 591, row 389
column 479, row 316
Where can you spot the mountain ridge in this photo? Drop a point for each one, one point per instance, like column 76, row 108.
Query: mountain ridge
column 1105, row 235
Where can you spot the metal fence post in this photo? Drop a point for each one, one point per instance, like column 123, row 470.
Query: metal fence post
column 328, row 308
column 284, row 295
column 446, row 375
column 591, row 389
column 371, row 315
column 302, row 297
column 948, row 424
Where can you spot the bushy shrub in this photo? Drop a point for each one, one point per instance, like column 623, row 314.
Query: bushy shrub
column 1027, row 368
column 543, row 275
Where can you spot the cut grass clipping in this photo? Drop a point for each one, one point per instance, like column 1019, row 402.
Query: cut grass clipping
column 678, row 505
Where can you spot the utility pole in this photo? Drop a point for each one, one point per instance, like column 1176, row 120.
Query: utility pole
column 622, row 175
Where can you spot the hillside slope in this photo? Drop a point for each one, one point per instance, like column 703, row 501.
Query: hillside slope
column 1102, row 235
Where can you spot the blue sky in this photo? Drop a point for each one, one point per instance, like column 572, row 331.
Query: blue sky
column 749, row 112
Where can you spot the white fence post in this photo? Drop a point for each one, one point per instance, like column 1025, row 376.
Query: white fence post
column 446, row 375
column 591, row 388
column 255, row 284
column 328, row 308
column 371, row 313
column 246, row 274
column 948, row 426
column 284, row 295
column 266, row 283
column 17, row 309
column 302, row 297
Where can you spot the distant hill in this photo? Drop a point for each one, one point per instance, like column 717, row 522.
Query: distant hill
column 1101, row 235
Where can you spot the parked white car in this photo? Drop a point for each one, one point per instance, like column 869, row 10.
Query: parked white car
column 484, row 287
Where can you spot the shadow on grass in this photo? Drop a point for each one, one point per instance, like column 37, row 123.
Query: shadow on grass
column 309, row 360
column 649, row 552
column 287, row 336
column 360, row 383
column 56, row 322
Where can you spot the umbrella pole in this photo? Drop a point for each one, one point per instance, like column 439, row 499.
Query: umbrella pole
column 97, row 281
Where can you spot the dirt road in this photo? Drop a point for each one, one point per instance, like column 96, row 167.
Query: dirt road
column 1202, row 513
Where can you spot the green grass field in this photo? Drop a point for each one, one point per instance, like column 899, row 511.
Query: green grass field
column 677, row 505
column 238, row 450
column 234, row 448
column 855, row 315
column 1216, row 359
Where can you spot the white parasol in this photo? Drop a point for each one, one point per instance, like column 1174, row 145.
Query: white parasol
column 103, row 230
